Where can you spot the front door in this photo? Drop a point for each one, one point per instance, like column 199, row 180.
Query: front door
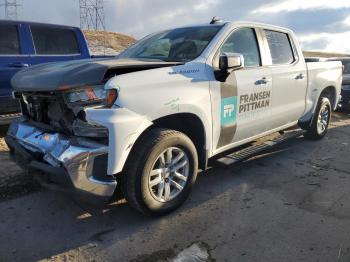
column 241, row 102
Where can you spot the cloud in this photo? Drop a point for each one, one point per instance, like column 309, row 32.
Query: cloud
column 337, row 42
column 321, row 24
column 64, row 12
column 347, row 21
column 141, row 17
column 294, row 5
column 205, row 5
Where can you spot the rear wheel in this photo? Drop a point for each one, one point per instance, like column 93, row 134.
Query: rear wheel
column 160, row 172
column 320, row 122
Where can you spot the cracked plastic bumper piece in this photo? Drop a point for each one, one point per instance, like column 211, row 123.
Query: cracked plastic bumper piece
column 70, row 161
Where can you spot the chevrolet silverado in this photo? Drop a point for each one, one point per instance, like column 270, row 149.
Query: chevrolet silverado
column 148, row 120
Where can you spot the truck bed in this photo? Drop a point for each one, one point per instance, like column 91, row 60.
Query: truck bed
column 321, row 74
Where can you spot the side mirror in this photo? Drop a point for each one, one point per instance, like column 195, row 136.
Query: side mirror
column 231, row 61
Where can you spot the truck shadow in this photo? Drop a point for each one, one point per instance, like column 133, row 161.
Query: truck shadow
column 64, row 225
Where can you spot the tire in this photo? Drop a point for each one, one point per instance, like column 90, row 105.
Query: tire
column 139, row 183
column 314, row 131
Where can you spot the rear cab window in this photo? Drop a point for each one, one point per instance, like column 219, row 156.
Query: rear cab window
column 9, row 45
column 54, row 41
column 281, row 47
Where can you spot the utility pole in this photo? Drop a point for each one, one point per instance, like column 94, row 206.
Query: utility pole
column 92, row 16
column 11, row 7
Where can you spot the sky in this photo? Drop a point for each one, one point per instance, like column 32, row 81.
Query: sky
column 321, row 25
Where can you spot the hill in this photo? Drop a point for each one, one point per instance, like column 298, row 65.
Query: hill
column 107, row 43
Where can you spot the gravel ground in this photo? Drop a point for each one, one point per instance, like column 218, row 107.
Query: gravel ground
column 291, row 203
column 14, row 181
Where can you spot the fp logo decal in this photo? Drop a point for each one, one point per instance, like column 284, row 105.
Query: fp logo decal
column 228, row 111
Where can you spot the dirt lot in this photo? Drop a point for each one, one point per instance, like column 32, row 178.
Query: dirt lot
column 13, row 181
column 289, row 204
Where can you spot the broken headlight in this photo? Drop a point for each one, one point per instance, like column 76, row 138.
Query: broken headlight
column 92, row 95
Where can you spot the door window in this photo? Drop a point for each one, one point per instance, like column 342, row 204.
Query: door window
column 54, row 41
column 243, row 41
column 9, row 42
column 280, row 47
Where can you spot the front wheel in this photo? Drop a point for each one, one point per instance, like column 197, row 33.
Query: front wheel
column 319, row 125
column 160, row 172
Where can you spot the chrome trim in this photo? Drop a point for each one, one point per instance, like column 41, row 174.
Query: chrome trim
column 75, row 155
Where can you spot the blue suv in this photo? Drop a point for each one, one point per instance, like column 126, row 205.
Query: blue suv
column 23, row 44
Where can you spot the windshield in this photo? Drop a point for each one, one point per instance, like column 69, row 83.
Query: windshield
column 177, row 45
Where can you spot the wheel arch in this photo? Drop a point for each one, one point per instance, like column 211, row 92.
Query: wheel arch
column 187, row 123
column 330, row 92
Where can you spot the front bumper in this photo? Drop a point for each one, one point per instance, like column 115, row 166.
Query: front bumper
column 72, row 162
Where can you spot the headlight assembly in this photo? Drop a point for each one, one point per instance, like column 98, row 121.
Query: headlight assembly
column 92, row 95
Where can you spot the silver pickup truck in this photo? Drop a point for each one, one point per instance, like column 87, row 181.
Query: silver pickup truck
column 148, row 120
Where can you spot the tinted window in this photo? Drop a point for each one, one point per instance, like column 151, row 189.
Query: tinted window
column 9, row 43
column 178, row 45
column 54, row 41
column 346, row 67
column 243, row 41
column 280, row 47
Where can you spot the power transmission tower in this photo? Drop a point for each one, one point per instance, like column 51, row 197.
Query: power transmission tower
column 11, row 7
column 92, row 15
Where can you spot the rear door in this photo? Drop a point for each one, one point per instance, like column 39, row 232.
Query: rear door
column 241, row 102
column 12, row 59
column 54, row 44
column 289, row 77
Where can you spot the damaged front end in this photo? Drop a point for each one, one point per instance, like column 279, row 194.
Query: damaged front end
column 64, row 111
column 54, row 137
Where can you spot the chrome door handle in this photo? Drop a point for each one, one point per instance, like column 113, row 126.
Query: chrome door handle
column 300, row 77
column 262, row 81
column 18, row 65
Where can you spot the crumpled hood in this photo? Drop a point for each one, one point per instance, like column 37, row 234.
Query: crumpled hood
column 66, row 75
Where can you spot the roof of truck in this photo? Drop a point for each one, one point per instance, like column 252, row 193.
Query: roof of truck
column 34, row 23
column 245, row 23
column 257, row 24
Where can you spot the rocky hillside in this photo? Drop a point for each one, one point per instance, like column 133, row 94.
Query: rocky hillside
column 107, row 43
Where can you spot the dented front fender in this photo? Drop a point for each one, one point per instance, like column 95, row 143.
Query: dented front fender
column 124, row 127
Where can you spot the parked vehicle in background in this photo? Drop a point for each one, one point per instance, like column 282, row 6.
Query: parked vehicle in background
column 315, row 59
column 149, row 119
column 23, row 44
column 345, row 90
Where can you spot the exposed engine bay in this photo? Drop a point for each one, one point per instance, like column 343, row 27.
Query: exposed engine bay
column 63, row 111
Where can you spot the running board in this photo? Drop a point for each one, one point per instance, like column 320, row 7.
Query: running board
column 253, row 150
